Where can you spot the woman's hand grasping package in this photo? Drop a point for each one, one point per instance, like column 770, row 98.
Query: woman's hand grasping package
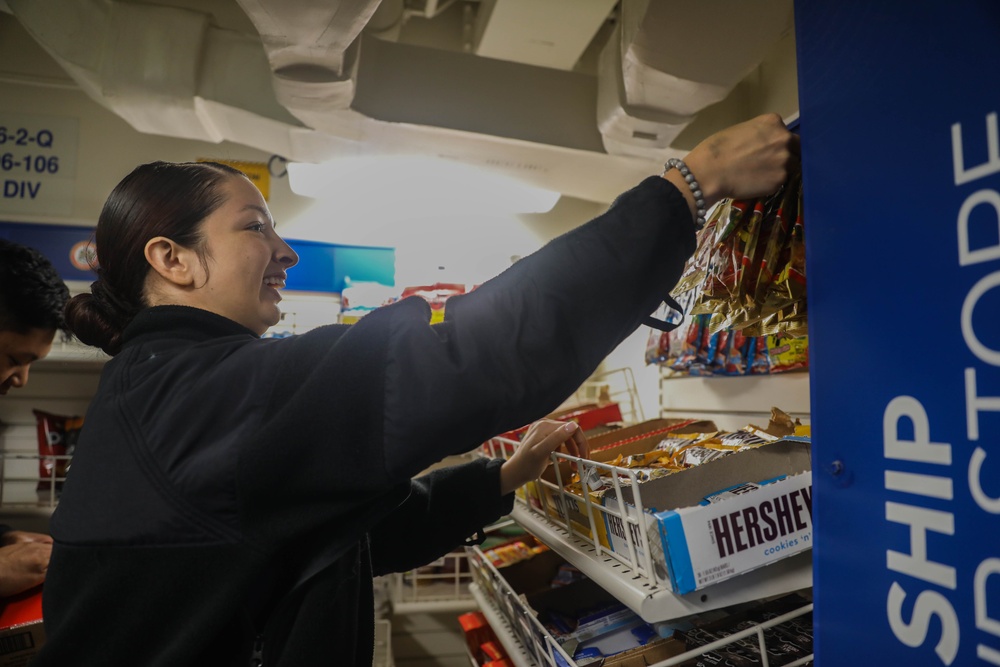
column 750, row 159
column 532, row 455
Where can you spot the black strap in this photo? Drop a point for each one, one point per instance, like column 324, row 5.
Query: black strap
column 661, row 324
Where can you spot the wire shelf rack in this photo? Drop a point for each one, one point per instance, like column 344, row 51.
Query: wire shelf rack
column 530, row 644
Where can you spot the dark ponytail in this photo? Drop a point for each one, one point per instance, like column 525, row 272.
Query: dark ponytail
column 156, row 199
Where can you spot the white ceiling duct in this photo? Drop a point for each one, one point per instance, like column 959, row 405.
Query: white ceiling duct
column 666, row 63
column 311, row 84
column 308, row 46
column 549, row 33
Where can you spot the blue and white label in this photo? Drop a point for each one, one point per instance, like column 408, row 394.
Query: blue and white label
column 710, row 543
column 901, row 174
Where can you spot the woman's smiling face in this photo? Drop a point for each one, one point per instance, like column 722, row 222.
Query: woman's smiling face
column 244, row 259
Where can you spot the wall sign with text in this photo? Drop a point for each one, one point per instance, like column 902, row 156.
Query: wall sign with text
column 37, row 163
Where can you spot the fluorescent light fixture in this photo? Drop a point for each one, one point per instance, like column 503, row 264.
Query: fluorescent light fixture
column 416, row 184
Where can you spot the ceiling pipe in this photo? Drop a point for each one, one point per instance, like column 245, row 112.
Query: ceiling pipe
column 169, row 70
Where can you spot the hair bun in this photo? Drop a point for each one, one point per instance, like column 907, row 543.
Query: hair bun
column 97, row 321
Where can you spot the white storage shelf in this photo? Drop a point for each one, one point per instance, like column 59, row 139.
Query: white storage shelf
column 654, row 601
column 21, row 483
column 529, row 644
column 441, row 586
column 630, row 579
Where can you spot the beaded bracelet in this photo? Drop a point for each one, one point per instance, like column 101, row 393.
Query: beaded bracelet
column 699, row 200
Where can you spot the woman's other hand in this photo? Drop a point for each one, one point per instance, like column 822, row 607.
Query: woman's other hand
column 532, row 455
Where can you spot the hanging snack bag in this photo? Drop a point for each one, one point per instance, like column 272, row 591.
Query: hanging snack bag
column 789, row 285
column 693, row 275
column 736, row 354
column 718, row 352
column 658, row 345
column 57, row 436
column 699, row 366
column 787, row 353
column 689, row 337
column 723, row 261
column 778, row 240
column 757, row 361
column 758, row 232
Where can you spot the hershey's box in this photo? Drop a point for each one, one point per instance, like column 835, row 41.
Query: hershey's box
column 723, row 518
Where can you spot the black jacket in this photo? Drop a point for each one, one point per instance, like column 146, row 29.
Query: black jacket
column 231, row 493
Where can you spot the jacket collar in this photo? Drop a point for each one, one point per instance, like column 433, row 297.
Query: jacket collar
column 180, row 322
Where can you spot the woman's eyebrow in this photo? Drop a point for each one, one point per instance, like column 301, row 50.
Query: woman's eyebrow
column 263, row 211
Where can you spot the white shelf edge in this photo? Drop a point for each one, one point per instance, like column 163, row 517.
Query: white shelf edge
column 515, row 651
column 433, row 606
column 656, row 603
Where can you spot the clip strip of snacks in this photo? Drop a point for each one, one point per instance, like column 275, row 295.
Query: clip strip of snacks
column 743, row 293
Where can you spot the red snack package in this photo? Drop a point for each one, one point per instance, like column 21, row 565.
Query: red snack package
column 476, row 629
column 57, row 436
column 492, row 651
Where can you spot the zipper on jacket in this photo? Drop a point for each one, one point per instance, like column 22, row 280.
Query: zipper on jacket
column 257, row 657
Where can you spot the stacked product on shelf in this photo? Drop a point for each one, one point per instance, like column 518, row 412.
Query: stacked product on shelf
column 786, row 642
column 484, row 648
column 557, row 616
column 556, row 603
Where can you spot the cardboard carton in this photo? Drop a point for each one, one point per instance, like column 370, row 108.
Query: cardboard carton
column 649, row 427
column 21, row 629
column 637, row 439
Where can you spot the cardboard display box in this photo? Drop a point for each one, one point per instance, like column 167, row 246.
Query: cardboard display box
column 755, row 521
column 648, row 428
column 587, row 416
column 637, row 439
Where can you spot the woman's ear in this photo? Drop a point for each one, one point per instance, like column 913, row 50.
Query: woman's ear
column 173, row 262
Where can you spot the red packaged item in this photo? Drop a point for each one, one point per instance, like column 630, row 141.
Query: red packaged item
column 57, row 436
column 492, row 651
column 22, row 632
column 476, row 629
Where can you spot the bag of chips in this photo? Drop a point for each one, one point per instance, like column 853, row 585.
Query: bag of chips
column 57, row 436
